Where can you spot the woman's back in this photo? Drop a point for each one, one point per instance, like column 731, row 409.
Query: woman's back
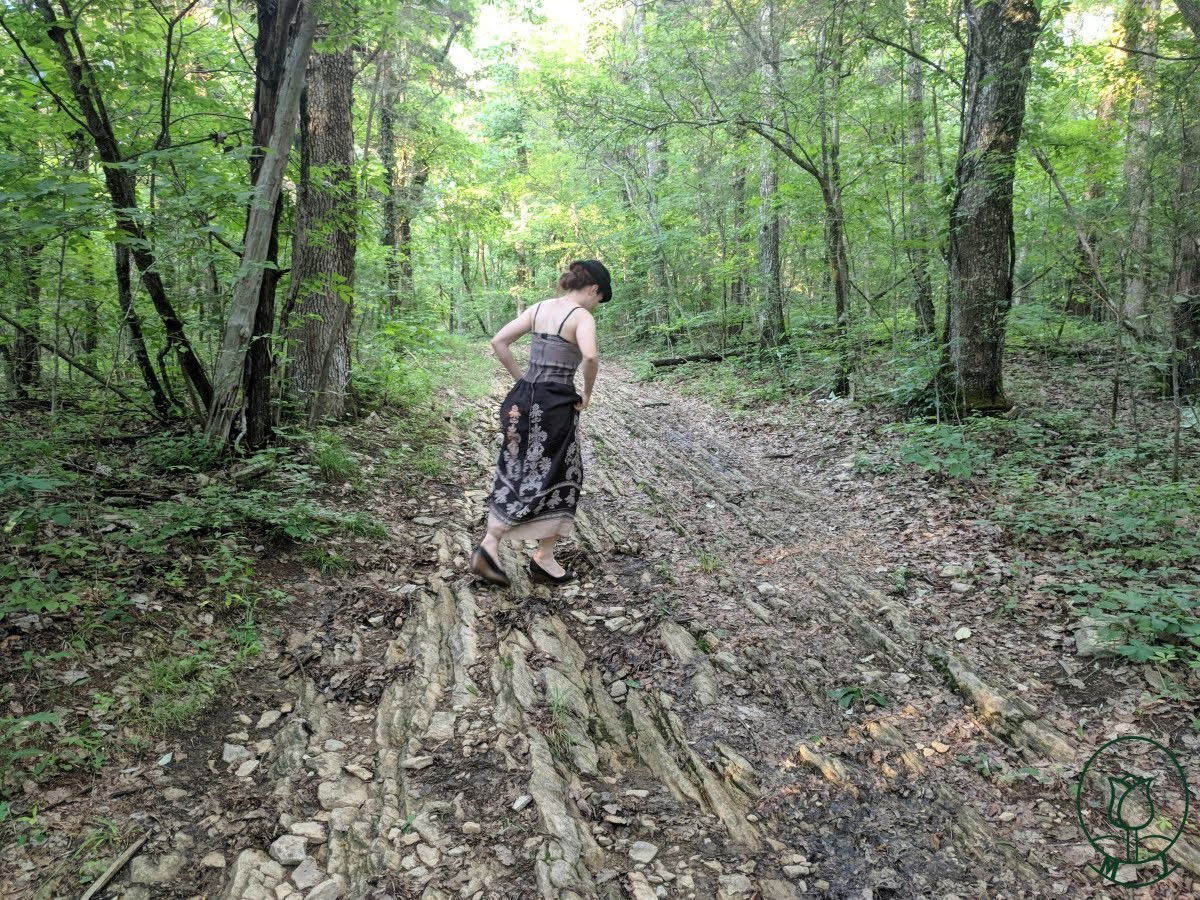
column 553, row 355
column 559, row 317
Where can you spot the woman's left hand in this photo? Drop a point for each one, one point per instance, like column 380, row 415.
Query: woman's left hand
column 584, row 399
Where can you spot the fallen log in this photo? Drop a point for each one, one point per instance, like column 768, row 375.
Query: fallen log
column 691, row 357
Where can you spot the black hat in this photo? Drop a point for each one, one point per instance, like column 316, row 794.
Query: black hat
column 600, row 276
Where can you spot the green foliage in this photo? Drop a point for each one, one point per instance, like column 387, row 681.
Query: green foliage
column 37, row 744
column 945, row 450
column 848, row 695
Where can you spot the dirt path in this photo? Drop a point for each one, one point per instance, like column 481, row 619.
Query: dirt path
column 661, row 729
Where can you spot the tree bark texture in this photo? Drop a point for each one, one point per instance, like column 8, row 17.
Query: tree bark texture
column 240, row 325
column 276, row 27
column 1185, row 281
column 1000, row 41
column 133, row 324
column 323, row 257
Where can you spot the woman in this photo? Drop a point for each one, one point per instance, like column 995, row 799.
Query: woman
column 540, row 469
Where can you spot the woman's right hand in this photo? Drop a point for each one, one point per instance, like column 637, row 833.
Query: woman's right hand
column 584, row 399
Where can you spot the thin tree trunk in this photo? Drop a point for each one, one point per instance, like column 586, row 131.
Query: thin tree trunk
column 1185, row 281
column 323, row 257
column 1141, row 21
column 239, row 328
column 1001, row 37
column 916, row 219
column 26, row 358
column 391, row 202
column 414, row 191
column 772, row 328
column 131, row 320
column 829, row 114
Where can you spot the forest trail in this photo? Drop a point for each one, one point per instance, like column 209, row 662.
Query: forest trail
column 661, row 728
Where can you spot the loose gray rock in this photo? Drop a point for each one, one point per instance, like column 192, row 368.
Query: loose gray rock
column 428, row 855
column 308, row 874
column 213, row 860
column 734, row 887
column 329, row 889
column 268, row 718
column 147, row 870
column 289, row 849
column 235, row 754
column 314, row 832
column 343, row 792
column 1089, row 641
column 642, row 851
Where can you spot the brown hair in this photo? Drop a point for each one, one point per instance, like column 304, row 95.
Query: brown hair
column 583, row 272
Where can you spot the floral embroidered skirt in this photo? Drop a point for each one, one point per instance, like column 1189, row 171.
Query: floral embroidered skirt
column 540, row 469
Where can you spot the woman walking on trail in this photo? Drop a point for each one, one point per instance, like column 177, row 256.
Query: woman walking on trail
column 540, row 469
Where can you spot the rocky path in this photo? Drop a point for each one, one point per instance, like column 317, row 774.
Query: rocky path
column 662, row 728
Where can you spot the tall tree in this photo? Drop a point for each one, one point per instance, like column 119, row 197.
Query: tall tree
column 772, row 328
column 1001, row 35
column 1141, row 36
column 240, row 323
column 916, row 216
column 277, row 22
column 322, row 288
column 1185, row 281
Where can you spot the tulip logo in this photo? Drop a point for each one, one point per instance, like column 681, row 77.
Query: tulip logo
column 1132, row 803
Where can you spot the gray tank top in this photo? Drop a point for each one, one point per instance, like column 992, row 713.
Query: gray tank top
column 552, row 357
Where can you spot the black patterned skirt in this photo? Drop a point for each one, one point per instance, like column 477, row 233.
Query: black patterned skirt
column 540, row 469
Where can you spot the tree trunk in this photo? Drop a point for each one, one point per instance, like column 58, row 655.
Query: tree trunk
column 1000, row 41
column 771, row 330
column 323, row 257
column 414, row 191
column 836, row 252
column 276, row 26
column 653, row 149
column 916, row 220
column 26, row 352
column 772, row 327
column 239, row 327
column 1140, row 26
column 1185, row 281
column 132, row 322
column 391, row 200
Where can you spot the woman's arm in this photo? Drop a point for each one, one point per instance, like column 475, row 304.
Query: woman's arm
column 585, row 336
column 522, row 324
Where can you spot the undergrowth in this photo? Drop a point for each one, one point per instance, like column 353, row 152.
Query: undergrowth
column 132, row 571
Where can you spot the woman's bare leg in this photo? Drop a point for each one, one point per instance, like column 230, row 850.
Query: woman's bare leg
column 491, row 541
column 544, row 554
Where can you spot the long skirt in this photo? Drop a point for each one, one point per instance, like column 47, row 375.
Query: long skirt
column 540, row 469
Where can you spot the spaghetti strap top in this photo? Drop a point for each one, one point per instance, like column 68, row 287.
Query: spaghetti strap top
column 552, row 357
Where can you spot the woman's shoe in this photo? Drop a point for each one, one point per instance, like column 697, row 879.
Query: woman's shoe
column 487, row 568
column 540, row 576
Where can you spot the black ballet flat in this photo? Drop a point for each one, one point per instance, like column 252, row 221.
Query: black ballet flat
column 496, row 576
column 538, row 575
